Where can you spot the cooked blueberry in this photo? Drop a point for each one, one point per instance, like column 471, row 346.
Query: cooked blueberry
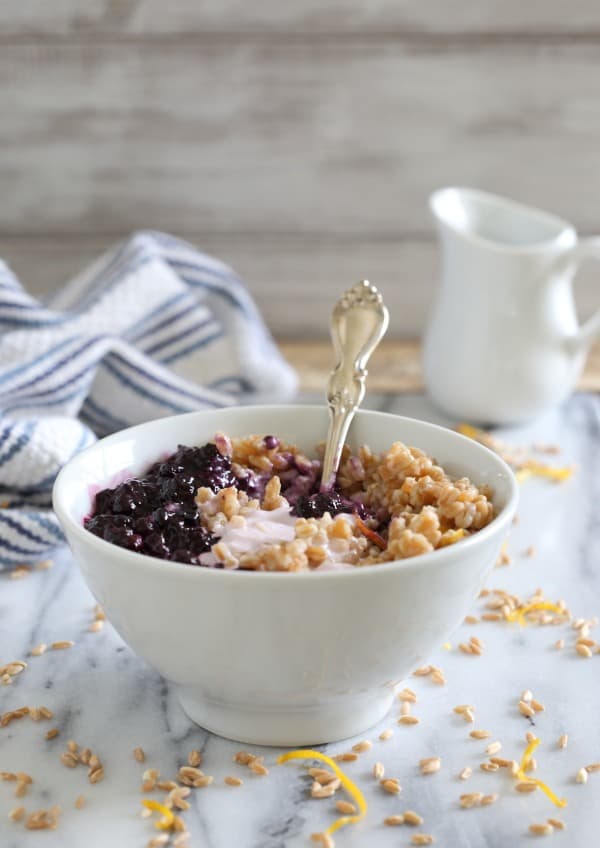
column 271, row 442
column 314, row 506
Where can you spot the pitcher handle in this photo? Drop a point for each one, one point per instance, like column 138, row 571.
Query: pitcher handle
column 586, row 248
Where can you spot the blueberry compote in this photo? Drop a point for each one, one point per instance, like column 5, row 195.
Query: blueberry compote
column 157, row 514
column 317, row 504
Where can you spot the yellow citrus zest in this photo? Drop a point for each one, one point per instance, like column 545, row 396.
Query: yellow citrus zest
column 350, row 787
column 539, row 469
column 166, row 823
column 525, row 760
column 450, row 537
column 520, row 613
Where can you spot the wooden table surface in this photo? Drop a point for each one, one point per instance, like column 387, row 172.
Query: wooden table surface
column 394, row 367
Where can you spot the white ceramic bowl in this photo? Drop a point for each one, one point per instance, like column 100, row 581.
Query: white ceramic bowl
column 275, row 658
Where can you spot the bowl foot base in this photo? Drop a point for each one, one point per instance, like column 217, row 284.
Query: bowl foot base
column 287, row 726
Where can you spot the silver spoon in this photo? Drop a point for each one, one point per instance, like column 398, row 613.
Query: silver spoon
column 358, row 323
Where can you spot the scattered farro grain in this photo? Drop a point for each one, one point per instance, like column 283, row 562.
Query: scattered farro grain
column 194, row 758
column 69, row 759
column 422, row 671
column 86, row 755
column 169, row 785
column 46, row 713
column 526, row 710
column 393, row 821
column 44, row 564
column 38, row 650
column 466, row 773
column 501, row 762
column 592, row 768
column 407, row 695
column 361, row 747
column 323, row 776
column 557, row 824
column 530, row 551
column 242, row 757
column 430, row 765
column 465, row 647
column 52, row 733
column 544, row 829
column 405, row 708
column 259, row 769
column 422, row 839
column 491, row 616
column 43, row 819
column 62, row 646
column 386, row 734
column 6, row 679
column 437, row 677
column 325, row 839
column 488, row 766
column 392, row 785
column 16, row 814
column 96, row 625
column 462, row 708
column 412, row 818
column 470, row 799
column 21, row 788
column 347, row 757
column 471, row 619
column 203, row 781
column 530, row 736
column 8, row 775
column 480, row 734
column 72, row 746
column 230, row 780
column 527, row 696
column 182, row 840
column 408, row 719
column 489, row 799
column 563, row 741
column 80, row 802
column 583, row 651
column 537, row 706
column 188, row 774
column 581, row 776
column 346, row 808
column 96, row 774
column 139, row 755
column 378, row 771
column 493, row 748
column 559, row 644
column 158, row 841
column 318, row 791
column 469, row 716
column 19, row 572
column 525, row 786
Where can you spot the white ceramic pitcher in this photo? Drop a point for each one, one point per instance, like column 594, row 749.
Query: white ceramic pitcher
column 503, row 342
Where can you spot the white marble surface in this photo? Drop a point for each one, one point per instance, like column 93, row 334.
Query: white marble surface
column 105, row 698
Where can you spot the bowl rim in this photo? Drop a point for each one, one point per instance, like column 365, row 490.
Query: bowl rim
column 179, row 570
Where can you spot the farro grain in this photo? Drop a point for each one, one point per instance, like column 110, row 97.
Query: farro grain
column 559, row 644
column 592, row 768
column 462, row 708
column 480, row 734
column 468, row 716
column 526, row 787
column 259, row 769
column 530, row 736
column 318, row 791
column 407, row 695
column 52, row 733
column 95, row 775
column 85, row 756
column 392, row 785
column 489, row 799
column 563, row 741
column 325, row 839
column 188, row 774
column 412, row 818
column 422, row 839
column 430, row 765
column 378, row 771
column 361, row 747
column 466, row 773
column 501, row 762
column 16, row 814
column 408, row 719
column 21, row 788
column 583, row 651
column 347, row 757
column 69, row 759
column 72, row 746
column 537, row 706
column 194, row 758
column 346, row 808
column 422, row 671
column 139, row 755
column 488, row 766
column 471, row 619
column 62, row 645
column 394, row 821
column 242, row 757
column 46, row 713
column 158, row 841
column 544, row 829
column 527, row 696
column 438, row 678
column 80, row 802
column 96, row 625
column 526, row 710
column 581, row 776
column 557, row 824
column 405, row 708
column 493, row 748
column 230, row 780
column 386, row 734
column 203, row 781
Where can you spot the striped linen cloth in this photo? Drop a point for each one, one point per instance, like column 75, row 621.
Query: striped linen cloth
column 152, row 328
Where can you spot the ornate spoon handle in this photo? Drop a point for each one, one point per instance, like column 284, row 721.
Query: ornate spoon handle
column 358, row 323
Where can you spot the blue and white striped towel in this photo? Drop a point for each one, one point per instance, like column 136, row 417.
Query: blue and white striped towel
column 152, row 328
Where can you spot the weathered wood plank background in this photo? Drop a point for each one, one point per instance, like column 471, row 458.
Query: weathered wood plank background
column 298, row 141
